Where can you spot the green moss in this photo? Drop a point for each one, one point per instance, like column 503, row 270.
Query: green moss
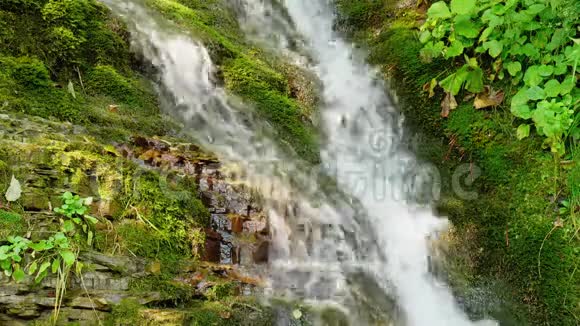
column 105, row 80
column 126, row 313
column 173, row 293
column 11, row 223
column 238, row 312
column 268, row 91
column 361, row 14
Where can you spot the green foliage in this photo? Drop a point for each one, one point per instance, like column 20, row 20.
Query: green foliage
column 21, row 256
column 529, row 40
column 28, row 72
column 74, row 208
column 54, row 252
column 221, row 291
column 67, row 34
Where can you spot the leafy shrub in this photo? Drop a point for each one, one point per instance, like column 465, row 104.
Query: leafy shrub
column 22, row 4
column 65, row 44
column 529, row 40
column 70, row 13
column 28, row 72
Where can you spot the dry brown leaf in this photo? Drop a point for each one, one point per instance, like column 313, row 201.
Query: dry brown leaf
column 488, row 97
column 449, row 103
column 430, row 87
column 113, row 108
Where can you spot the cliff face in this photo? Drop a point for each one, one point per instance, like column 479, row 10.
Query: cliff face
column 176, row 239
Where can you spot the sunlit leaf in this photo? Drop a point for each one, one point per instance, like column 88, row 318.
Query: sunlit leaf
column 439, row 10
column 523, row 131
column 462, row 7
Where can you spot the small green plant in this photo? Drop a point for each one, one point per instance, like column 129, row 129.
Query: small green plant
column 531, row 41
column 74, row 208
column 22, row 256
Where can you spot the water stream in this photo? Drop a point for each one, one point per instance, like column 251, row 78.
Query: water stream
column 363, row 249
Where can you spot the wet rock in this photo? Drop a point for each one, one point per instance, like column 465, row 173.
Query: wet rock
column 212, row 250
column 90, row 303
column 255, row 227
column 84, row 316
column 261, row 254
column 119, row 264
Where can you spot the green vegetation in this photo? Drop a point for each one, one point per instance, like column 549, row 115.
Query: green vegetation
column 523, row 227
column 57, row 251
column 529, row 41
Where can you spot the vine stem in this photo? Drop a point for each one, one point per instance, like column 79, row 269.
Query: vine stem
column 542, row 246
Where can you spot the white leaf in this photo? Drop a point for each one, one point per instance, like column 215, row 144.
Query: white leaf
column 297, row 314
column 71, row 89
column 88, row 201
column 14, row 191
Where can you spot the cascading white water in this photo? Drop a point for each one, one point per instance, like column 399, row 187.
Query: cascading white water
column 378, row 234
column 369, row 153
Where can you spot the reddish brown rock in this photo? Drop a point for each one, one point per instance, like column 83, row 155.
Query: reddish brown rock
column 212, row 250
column 237, row 224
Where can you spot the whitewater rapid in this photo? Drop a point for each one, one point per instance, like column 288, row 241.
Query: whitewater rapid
column 370, row 244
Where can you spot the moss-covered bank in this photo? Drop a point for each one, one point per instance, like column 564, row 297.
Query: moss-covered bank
column 520, row 229
column 78, row 114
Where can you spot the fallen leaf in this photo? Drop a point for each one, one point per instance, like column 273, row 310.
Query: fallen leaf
column 14, row 190
column 225, row 314
column 449, row 103
column 488, row 97
column 430, row 87
column 113, row 108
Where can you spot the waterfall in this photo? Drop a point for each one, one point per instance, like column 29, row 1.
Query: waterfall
column 365, row 245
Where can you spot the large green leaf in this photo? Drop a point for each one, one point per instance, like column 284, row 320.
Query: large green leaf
column 494, row 47
column 463, row 7
column 552, row 88
column 455, row 49
column 464, row 26
column 532, row 76
column 568, row 85
column 19, row 275
column 521, row 111
column 545, row 70
column 439, row 10
column 514, row 67
column 453, row 83
column 536, row 93
column 474, row 80
column 68, row 257
column 523, row 131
